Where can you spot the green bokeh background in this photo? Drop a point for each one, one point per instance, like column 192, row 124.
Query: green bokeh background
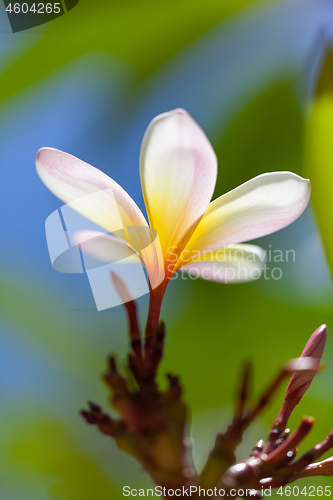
column 54, row 342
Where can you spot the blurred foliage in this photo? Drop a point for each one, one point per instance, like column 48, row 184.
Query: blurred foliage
column 145, row 33
column 45, row 448
column 318, row 154
column 258, row 139
column 208, row 346
column 211, row 327
column 38, row 315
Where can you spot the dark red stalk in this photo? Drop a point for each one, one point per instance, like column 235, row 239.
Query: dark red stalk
column 292, row 441
column 155, row 303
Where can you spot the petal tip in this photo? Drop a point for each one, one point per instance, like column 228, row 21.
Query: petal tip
column 39, row 154
column 43, row 157
column 43, row 150
column 322, row 330
column 180, row 111
column 171, row 113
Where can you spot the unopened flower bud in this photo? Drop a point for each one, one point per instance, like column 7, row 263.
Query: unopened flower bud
column 123, row 291
column 301, row 381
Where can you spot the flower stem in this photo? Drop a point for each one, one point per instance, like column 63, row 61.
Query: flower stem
column 155, row 304
column 154, row 336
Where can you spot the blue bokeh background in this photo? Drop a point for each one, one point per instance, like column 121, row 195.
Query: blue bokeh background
column 242, row 76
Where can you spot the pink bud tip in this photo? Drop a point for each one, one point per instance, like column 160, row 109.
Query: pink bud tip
column 123, row 291
column 316, row 343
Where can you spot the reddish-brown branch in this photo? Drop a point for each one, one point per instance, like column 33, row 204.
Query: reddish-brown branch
column 134, row 332
column 155, row 303
column 312, row 455
column 291, row 442
column 153, row 424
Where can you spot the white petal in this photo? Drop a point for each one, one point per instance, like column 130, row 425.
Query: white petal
column 89, row 191
column 178, row 170
column 259, row 207
column 232, row 264
column 105, row 247
column 109, row 248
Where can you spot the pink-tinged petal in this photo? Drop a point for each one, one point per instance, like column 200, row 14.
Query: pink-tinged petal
column 113, row 248
column 300, row 382
column 89, row 191
column 105, row 247
column 259, row 207
column 178, row 170
column 232, row 264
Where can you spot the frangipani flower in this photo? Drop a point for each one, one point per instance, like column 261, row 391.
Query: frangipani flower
column 178, row 170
